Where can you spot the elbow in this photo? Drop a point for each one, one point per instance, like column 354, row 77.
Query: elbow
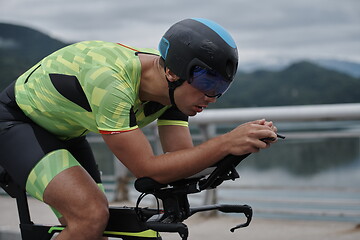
column 156, row 177
column 159, row 177
column 151, row 168
column 148, row 171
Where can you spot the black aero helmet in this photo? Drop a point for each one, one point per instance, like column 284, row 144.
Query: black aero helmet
column 199, row 42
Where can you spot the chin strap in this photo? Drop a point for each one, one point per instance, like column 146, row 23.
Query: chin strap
column 172, row 87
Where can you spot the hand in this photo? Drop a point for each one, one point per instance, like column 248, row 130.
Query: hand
column 251, row 137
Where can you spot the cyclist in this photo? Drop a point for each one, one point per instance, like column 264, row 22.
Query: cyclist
column 114, row 90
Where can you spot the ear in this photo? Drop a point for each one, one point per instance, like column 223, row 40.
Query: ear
column 171, row 76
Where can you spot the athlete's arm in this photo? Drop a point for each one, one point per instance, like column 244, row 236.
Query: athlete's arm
column 134, row 151
column 174, row 138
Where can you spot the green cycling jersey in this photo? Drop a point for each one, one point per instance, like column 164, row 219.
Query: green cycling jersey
column 90, row 86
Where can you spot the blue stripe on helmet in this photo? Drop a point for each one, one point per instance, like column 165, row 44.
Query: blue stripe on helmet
column 164, row 47
column 219, row 30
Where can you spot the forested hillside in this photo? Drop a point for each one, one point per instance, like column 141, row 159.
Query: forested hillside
column 301, row 83
column 20, row 48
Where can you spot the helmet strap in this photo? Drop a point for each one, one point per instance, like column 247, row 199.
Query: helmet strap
column 172, row 87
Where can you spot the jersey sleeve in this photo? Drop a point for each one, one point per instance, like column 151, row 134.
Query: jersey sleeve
column 173, row 116
column 112, row 101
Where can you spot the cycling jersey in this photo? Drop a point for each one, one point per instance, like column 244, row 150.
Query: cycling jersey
column 90, row 86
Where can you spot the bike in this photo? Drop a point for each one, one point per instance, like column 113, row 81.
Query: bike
column 143, row 223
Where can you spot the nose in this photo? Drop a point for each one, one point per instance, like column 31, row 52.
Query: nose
column 210, row 99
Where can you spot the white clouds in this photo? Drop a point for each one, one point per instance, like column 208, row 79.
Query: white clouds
column 267, row 30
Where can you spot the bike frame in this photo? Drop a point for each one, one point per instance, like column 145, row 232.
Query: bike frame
column 135, row 223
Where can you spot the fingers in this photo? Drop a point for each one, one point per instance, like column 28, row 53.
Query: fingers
column 253, row 136
column 268, row 124
column 271, row 125
column 260, row 122
column 263, row 129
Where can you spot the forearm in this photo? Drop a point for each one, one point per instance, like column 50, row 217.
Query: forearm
column 135, row 152
column 184, row 163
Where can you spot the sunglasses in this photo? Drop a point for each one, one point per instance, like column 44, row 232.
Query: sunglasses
column 211, row 83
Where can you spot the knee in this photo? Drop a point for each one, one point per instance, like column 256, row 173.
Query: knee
column 97, row 214
column 91, row 221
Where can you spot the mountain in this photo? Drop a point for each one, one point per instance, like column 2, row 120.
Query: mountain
column 26, row 42
column 351, row 68
column 20, row 48
column 301, row 83
column 297, row 84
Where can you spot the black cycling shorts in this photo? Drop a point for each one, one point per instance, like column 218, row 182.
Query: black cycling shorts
column 23, row 144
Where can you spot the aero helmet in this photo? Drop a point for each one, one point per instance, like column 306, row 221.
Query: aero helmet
column 197, row 43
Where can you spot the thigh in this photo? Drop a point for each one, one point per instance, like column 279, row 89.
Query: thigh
column 75, row 195
column 81, row 150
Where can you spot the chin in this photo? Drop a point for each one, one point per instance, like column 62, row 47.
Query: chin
column 191, row 113
column 187, row 112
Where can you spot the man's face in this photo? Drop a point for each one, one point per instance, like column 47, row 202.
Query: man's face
column 190, row 100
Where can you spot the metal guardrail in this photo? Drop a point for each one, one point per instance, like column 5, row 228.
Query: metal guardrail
column 209, row 119
column 328, row 112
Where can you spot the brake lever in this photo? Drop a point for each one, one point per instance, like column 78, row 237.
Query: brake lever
column 245, row 209
column 180, row 228
column 248, row 215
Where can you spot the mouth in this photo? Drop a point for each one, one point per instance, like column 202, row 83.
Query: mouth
column 200, row 108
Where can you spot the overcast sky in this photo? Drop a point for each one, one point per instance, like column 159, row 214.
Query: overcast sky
column 266, row 31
